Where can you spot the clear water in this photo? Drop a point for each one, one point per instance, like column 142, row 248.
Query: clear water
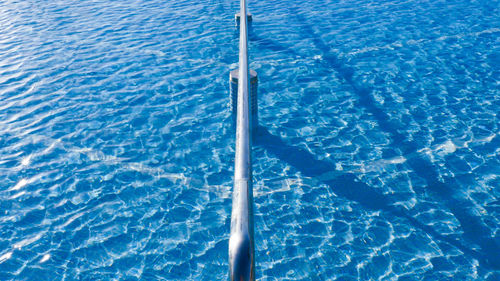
column 378, row 157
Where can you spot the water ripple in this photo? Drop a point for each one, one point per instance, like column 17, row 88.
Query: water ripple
column 377, row 157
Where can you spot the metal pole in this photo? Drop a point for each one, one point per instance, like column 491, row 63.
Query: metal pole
column 241, row 243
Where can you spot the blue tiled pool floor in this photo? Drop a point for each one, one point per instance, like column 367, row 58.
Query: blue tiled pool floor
column 377, row 156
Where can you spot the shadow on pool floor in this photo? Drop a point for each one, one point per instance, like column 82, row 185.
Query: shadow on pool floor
column 348, row 186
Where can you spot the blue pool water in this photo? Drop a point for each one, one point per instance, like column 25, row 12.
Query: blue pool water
column 378, row 155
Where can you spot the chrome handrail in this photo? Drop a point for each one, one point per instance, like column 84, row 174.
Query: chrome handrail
column 241, row 242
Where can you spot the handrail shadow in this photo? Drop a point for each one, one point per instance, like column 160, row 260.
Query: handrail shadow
column 474, row 230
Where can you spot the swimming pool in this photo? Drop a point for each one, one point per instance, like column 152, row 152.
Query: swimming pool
column 377, row 156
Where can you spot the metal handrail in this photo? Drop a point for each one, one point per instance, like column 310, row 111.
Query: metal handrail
column 241, row 242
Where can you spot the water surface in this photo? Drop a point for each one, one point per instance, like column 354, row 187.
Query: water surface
column 378, row 155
